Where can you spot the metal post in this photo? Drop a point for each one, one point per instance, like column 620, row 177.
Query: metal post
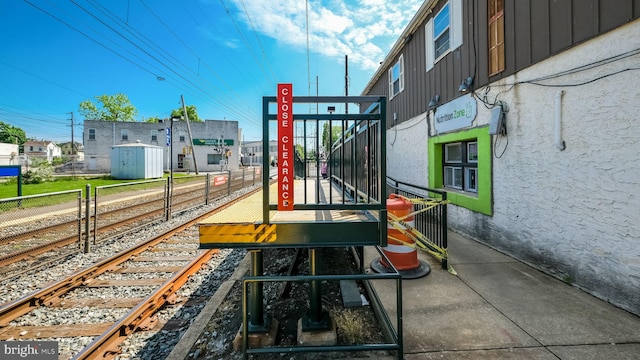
column 171, row 150
column 80, row 232
column 169, row 197
column 207, row 189
column 256, row 311
column 87, row 214
column 315, row 301
column 95, row 216
column 315, row 319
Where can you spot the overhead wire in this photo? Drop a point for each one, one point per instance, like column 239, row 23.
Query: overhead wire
column 222, row 107
column 171, row 59
column 276, row 72
column 142, row 64
column 206, row 65
column 231, row 63
column 43, row 79
column 89, row 37
column 251, row 49
column 138, row 47
column 161, row 53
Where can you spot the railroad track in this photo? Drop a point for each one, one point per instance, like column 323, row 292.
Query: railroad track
column 24, row 250
column 151, row 274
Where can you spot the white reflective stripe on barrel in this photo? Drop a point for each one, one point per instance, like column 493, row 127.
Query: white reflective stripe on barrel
column 398, row 248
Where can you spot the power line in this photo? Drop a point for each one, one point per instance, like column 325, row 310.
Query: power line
column 193, row 85
column 161, row 52
column 255, row 32
column 88, row 37
column 43, row 79
column 249, row 47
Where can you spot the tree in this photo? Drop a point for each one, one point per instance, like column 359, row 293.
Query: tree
column 109, row 108
column 336, row 132
column 191, row 111
column 12, row 135
column 153, row 119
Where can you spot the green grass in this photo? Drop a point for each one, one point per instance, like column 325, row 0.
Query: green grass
column 10, row 189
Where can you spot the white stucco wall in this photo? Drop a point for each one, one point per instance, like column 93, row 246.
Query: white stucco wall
column 573, row 213
column 407, row 156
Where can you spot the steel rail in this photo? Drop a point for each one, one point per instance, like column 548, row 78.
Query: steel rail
column 30, row 233
column 51, row 293
column 39, row 249
column 105, row 346
column 36, row 250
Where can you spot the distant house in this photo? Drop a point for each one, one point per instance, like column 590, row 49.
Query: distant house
column 42, row 149
column 8, row 154
column 69, row 149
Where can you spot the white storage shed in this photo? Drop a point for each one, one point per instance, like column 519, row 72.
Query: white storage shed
column 136, row 161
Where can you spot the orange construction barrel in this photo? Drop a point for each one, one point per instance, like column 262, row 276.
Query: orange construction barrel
column 400, row 249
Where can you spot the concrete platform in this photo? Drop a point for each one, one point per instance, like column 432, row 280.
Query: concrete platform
column 499, row 308
column 495, row 308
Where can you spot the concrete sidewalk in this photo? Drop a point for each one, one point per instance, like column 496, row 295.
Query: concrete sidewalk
column 499, row 308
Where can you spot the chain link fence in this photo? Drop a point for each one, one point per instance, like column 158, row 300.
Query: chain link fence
column 38, row 221
column 137, row 204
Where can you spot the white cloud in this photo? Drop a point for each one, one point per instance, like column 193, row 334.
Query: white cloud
column 364, row 30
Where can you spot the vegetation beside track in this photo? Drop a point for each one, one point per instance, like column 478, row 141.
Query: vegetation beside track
column 8, row 189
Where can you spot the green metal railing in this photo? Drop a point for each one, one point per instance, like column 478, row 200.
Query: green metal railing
column 432, row 223
column 393, row 335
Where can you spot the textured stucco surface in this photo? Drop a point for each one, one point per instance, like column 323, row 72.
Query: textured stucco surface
column 574, row 213
column 407, row 159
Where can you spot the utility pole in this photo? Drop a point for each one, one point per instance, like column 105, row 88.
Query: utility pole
column 186, row 117
column 72, row 143
column 346, row 82
column 73, row 146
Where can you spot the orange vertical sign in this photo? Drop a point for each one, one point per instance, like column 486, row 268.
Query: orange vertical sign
column 285, row 146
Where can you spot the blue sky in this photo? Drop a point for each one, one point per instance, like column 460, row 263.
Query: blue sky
column 223, row 56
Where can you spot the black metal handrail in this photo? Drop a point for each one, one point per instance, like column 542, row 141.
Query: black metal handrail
column 433, row 222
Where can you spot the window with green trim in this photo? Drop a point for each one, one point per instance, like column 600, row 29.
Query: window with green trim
column 460, row 165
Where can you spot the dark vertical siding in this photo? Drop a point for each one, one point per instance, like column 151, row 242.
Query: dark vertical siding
column 510, row 44
column 539, row 30
column 417, row 73
column 464, row 56
column 560, row 25
column 585, row 19
column 614, row 13
column 520, row 27
column 534, row 30
column 482, row 38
